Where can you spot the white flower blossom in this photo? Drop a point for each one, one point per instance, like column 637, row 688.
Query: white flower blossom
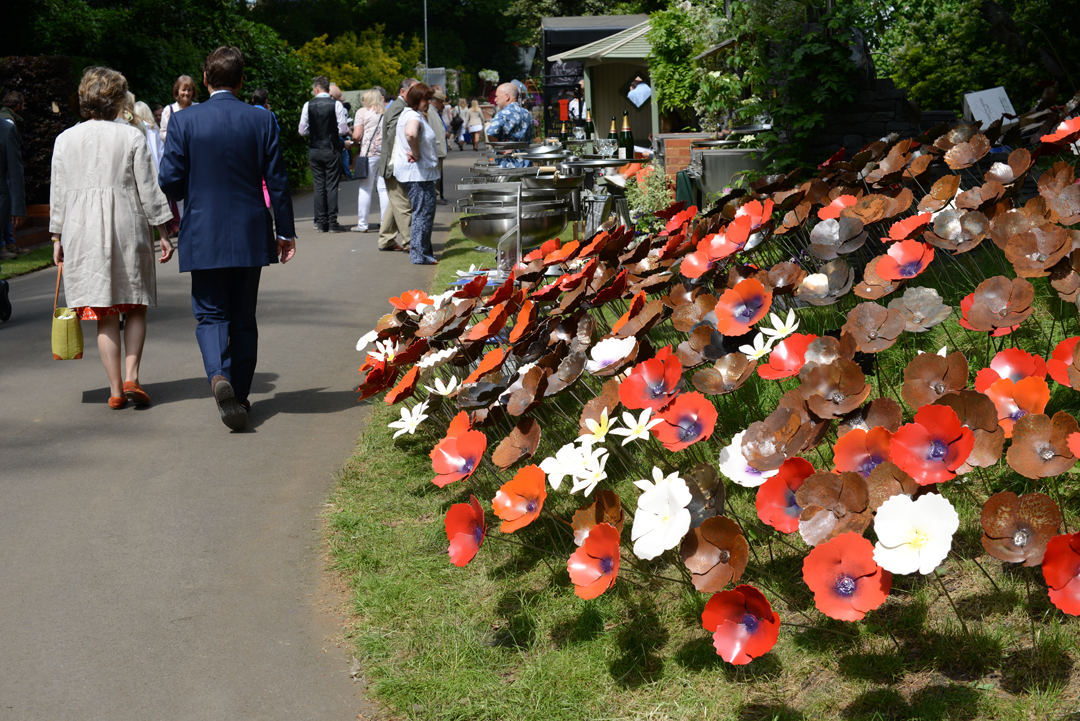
column 781, row 329
column 410, row 420
column 598, row 430
column 435, row 358
column 608, row 352
column 385, row 350
column 567, row 461
column 592, row 470
column 662, row 518
column 443, row 389
column 637, row 430
column 733, row 465
column 759, row 349
column 914, row 535
column 366, row 340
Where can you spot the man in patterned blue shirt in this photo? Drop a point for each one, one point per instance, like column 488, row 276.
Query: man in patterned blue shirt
column 512, row 122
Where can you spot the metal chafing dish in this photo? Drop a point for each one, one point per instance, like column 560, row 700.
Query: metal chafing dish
column 536, row 227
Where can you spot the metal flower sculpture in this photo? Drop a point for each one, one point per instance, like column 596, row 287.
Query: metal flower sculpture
column 1061, row 569
column 932, row 447
column 844, row 577
column 465, row 529
column 1016, row 529
column 1040, row 445
column 742, row 623
column 594, row 566
column 775, row 501
column 715, row 553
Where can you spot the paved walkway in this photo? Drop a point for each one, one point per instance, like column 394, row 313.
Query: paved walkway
column 154, row 565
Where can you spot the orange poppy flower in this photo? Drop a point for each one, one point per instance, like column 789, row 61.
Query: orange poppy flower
column 409, row 300
column 788, row 357
column 637, row 303
column 594, row 567
column 466, row 528
column 932, row 447
column 905, row 259
column 1015, row 400
column 473, row 289
column 832, row 210
column 862, row 451
column 455, row 458
column 379, row 378
column 502, row 293
column 490, row 362
column 1061, row 569
column 844, row 577
column 908, row 228
column 520, row 500
column 691, row 418
column 548, row 247
column 563, row 254
column 1061, row 359
column 758, row 212
column 775, row 501
column 1067, row 132
column 613, row 291
column 679, row 220
column 1011, row 363
column 743, row 624
column 739, row 308
column 525, row 322
column 652, row 383
column 491, row 325
column 405, row 388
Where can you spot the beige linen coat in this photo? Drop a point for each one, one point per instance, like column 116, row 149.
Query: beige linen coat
column 103, row 200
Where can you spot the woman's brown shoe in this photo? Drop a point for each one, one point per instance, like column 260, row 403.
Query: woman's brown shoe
column 134, row 393
column 116, row 403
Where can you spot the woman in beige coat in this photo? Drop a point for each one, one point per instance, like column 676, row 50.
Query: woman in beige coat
column 103, row 200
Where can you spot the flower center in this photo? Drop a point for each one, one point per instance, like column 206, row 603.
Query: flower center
column 657, row 390
column 872, row 334
column 938, row 387
column 845, row 586
column 938, row 450
column 725, row 556
column 1021, row 538
column 1018, row 414
column 689, row 429
column 467, row 466
column 1046, row 453
column 868, row 466
column 910, row 270
column 837, row 397
column 478, row 535
column 531, row 506
column 918, row 540
column 917, row 318
column 1003, row 312
column 606, row 565
column 750, row 623
column 749, row 309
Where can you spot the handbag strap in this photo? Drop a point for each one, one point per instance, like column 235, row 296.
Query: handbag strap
column 59, row 272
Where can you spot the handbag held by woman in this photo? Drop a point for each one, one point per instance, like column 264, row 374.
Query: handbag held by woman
column 67, row 339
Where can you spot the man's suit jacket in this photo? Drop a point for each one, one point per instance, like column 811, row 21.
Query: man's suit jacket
column 13, row 199
column 216, row 156
column 389, row 136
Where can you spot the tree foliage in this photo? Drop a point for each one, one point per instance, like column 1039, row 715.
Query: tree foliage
column 365, row 61
column 942, row 49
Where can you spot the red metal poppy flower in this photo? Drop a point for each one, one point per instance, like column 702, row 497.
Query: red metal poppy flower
column 832, row 210
column 377, row 379
column 520, row 500
column 775, row 501
column 739, row 308
column 787, row 358
column 862, row 451
column 1061, row 359
column 933, row 447
column 409, row 300
column 459, row 453
column 474, row 288
column 489, row 363
column 653, row 383
column 405, row 388
column 844, row 577
column 1061, row 569
column 466, row 528
column 491, row 325
column 546, row 248
column 594, row 567
column 1067, row 132
column 1011, row 363
column 909, row 227
column 1015, row 400
column 906, row 259
column 742, row 623
column 679, row 220
column 691, row 418
column 758, row 212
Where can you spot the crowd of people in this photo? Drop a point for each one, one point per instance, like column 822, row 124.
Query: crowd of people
column 191, row 173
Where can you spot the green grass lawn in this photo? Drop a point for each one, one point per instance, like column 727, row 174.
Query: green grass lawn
column 506, row 638
column 36, row 260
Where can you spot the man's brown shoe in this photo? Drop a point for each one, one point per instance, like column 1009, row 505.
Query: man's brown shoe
column 233, row 414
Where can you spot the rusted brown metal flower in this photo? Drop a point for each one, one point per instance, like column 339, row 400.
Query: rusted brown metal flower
column 1058, row 186
column 964, row 155
column 873, row 286
column 874, row 327
column 869, row 209
column 834, row 389
column 828, row 285
column 607, row 508
column 1016, row 529
column 941, row 193
column 836, row 236
column 832, row 503
column 958, row 230
column 977, row 412
column 989, row 192
column 784, row 278
column 921, row 308
column 1040, row 447
column 886, row 481
column 716, row 553
column 929, row 376
column 727, row 374
column 884, row 412
column 1001, row 302
column 688, row 315
column 767, row 444
column 1014, row 169
column 1035, row 252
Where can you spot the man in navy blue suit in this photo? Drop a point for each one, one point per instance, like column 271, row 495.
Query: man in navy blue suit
column 217, row 155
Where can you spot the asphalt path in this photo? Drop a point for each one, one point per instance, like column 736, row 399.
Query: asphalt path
column 154, row 565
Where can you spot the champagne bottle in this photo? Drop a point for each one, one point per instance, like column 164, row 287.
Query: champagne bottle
column 626, row 139
column 562, row 134
column 590, row 129
column 613, row 134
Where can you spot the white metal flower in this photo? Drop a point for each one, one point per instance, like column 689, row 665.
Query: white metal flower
column 435, row 358
column 466, row 273
column 914, row 535
column 443, row 389
column 733, row 465
column 637, row 430
column 662, row 518
column 781, row 329
column 759, row 349
column 410, row 420
column 366, row 340
column 385, row 350
column 608, row 352
column 436, row 302
column 591, row 471
column 567, row 461
column 598, row 430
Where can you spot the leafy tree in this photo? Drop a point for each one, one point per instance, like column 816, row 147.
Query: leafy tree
column 942, row 49
column 355, row 63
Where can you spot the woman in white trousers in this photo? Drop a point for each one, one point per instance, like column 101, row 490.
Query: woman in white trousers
column 367, row 136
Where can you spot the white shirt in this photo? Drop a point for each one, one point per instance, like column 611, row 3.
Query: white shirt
column 426, row 166
column 339, row 111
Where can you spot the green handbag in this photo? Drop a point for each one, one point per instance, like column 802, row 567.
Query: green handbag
column 67, row 340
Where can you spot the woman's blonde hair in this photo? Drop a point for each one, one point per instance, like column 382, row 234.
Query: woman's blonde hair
column 372, row 100
column 145, row 114
column 475, row 104
column 461, row 103
column 102, row 93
